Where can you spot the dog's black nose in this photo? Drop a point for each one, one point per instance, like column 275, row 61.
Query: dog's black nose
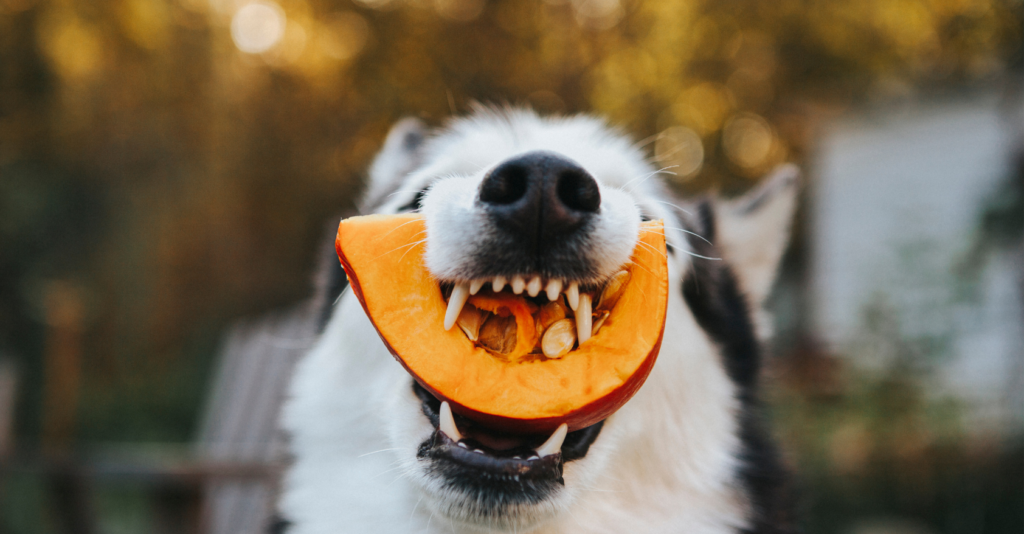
column 540, row 196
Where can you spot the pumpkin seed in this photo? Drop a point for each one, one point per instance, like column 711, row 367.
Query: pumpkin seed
column 613, row 290
column 559, row 338
column 549, row 313
column 600, row 316
column 470, row 320
column 499, row 334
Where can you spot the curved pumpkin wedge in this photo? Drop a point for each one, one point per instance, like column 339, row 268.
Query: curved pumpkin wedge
column 383, row 257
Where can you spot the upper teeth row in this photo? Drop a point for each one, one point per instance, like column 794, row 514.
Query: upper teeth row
column 551, row 446
column 553, row 288
column 532, row 286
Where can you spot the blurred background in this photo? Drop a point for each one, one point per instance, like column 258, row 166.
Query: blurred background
column 170, row 167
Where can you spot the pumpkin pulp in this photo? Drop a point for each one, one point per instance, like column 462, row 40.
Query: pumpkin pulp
column 382, row 255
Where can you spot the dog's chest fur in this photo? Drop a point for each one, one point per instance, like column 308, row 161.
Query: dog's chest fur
column 687, row 454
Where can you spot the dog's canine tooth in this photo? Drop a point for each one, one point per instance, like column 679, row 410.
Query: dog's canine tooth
column 518, row 284
column 498, row 283
column 573, row 293
column 553, row 289
column 447, row 423
column 475, row 286
column 455, row 303
column 584, row 321
column 533, row 288
column 554, row 444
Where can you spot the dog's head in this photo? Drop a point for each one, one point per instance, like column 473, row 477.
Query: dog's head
column 529, row 204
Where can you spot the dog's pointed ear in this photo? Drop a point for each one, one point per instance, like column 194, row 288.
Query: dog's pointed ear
column 752, row 231
column 401, row 154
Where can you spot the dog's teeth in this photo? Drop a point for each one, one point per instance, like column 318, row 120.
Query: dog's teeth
column 533, row 288
column 517, row 457
column 554, row 444
column 584, row 320
column 518, row 284
column 463, row 445
column 534, row 457
column 553, row 289
column 447, row 423
column 573, row 293
column 498, row 283
column 478, row 451
column 475, row 286
column 458, row 299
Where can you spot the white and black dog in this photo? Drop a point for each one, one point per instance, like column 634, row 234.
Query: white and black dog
column 508, row 193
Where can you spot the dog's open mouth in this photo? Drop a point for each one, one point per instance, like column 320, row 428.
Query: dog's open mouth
column 527, row 318
column 503, row 458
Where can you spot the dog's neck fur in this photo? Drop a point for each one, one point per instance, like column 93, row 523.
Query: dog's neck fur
column 687, row 453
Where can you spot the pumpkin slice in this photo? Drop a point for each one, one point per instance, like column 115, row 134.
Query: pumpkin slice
column 527, row 393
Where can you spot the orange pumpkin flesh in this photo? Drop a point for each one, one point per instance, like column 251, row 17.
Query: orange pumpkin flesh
column 503, row 304
column 383, row 257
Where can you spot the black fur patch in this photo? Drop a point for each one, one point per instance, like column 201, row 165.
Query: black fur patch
column 713, row 295
column 278, row 525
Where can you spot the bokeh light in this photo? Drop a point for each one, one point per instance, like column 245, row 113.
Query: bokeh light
column 598, row 14
column 343, row 35
column 747, row 140
column 257, row 26
column 374, row 4
column 681, row 149
column 459, row 10
column 73, row 46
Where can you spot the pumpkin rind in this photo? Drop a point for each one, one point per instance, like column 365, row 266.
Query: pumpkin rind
column 383, row 257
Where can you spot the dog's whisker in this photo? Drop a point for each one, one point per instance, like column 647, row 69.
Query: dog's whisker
column 386, row 471
column 651, row 248
column 389, row 232
column 382, row 450
column 410, row 246
column 414, row 508
column 688, row 212
column 644, row 142
column 648, row 176
column 695, row 234
column 695, row 255
column 402, row 257
column 342, row 294
column 644, row 177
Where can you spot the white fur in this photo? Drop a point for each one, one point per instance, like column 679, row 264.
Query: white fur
column 665, row 462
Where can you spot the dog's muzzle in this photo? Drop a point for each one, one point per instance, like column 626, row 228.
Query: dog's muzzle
column 488, row 463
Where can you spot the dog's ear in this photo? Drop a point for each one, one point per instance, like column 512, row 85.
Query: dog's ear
column 752, row 231
column 400, row 155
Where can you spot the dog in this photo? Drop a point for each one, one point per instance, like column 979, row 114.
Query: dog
column 507, row 192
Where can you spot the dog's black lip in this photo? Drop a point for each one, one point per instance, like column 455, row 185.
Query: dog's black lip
column 575, row 446
column 514, row 471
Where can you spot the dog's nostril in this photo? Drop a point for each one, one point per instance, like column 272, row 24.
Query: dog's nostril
column 577, row 190
column 505, row 184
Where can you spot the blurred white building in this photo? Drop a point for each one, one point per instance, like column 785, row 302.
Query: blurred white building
column 896, row 206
